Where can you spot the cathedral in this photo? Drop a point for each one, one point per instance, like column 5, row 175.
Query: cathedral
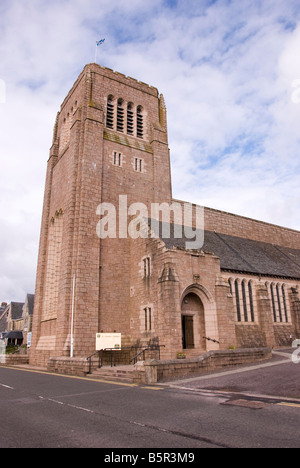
column 118, row 254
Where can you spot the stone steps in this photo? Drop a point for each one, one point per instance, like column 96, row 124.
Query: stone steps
column 116, row 374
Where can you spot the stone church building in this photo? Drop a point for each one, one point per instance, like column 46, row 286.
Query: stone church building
column 239, row 288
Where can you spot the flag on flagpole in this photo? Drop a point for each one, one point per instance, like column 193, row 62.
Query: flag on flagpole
column 97, row 44
column 100, row 42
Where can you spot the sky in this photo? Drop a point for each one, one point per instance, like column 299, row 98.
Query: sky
column 230, row 74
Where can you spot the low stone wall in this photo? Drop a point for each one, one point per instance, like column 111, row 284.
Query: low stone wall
column 68, row 366
column 160, row 371
column 13, row 359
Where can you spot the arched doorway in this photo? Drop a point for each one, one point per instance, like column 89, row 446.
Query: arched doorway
column 193, row 323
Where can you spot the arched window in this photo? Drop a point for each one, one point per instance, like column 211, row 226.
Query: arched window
column 285, row 304
column 147, row 267
column 273, row 303
column 245, row 300
column 279, row 302
column 238, row 302
column 120, row 116
column 110, row 113
column 251, row 301
column 130, row 119
column 230, row 286
column 139, row 122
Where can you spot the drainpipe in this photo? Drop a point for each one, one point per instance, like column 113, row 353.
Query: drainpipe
column 72, row 319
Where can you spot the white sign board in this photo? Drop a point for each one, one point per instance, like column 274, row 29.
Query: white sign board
column 2, row 352
column 108, row 341
column 29, row 339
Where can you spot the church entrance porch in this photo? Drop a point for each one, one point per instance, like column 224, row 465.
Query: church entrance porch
column 193, row 323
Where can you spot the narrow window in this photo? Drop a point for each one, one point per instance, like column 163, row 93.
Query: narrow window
column 251, row 301
column 147, row 267
column 138, row 165
column 120, row 116
column 148, row 318
column 245, row 301
column 273, row 303
column 130, row 119
column 110, row 113
column 139, row 122
column 279, row 303
column 285, row 305
column 117, row 159
column 237, row 297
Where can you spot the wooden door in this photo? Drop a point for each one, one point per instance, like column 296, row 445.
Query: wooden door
column 188, row 332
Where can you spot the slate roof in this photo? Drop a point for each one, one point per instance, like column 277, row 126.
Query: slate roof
column 249, row 256
column 30, row 299
column 245, row 255
column 3, row 320
column 16, row 310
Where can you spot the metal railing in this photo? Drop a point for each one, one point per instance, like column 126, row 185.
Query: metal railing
column 89, row 358
column 134, row 360
column 210, row 339
column 115, row 352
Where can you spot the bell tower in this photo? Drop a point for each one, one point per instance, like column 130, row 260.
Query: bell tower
column 110, row 139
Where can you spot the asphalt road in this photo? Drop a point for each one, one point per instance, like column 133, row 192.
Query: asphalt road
column 40, row 410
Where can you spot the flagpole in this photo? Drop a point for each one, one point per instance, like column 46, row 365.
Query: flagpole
column 96, row 52
column 97, row 44
column 72, row 319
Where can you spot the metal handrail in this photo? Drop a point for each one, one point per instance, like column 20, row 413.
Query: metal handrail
column 112, row 350
column 100, row 352
column 135, row 358
column 89, row 358
column 210, row 339
column 150, row 348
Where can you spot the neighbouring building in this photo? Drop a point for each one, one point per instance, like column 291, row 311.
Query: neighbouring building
column 27, row 317
column 101, row 268
column 14, row 334
column 16, row 321
column 3, row 319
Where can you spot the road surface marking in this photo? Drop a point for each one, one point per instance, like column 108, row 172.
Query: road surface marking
column 152, row 388
column 80, row 408
column 6, row 386
column 66, row 404
column 293, row 405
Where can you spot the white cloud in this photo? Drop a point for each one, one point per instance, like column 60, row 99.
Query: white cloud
column 226, row 70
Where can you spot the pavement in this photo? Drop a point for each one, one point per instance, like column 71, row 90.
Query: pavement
column 277, row 377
